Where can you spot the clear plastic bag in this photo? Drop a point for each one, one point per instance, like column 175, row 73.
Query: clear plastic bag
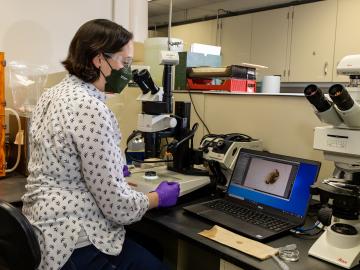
column 27, row 82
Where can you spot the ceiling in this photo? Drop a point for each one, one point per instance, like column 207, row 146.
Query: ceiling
column 184, row 10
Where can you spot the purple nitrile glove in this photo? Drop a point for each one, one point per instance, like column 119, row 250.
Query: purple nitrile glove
column 126, row 171
column 168, row 193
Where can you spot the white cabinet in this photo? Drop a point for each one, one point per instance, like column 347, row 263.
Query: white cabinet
column 312, row 43
column 347, row 36
column 200, row 32
column 302, row 43
column 270, row 42
column 296, row 42
column 235, row 39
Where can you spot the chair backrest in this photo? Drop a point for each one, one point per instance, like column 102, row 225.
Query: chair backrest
column 19, row 247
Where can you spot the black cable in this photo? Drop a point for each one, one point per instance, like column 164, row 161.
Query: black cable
column 219, row 176
column 189, row 135
column 214, row 136
column 133, row 134
column 235, row 137
column 198, row 115
column 143, row 161
column 238, row 137
column 307, row 235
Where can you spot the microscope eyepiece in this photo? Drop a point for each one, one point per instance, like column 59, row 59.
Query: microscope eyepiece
column 341, row 97
column 145, row 82
column 317, row 98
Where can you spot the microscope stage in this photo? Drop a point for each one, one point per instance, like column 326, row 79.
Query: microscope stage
column 188, row 183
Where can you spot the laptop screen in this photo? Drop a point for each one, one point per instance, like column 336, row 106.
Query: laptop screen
column 277, row 181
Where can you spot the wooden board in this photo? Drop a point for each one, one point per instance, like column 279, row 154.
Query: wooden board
column 238, row 242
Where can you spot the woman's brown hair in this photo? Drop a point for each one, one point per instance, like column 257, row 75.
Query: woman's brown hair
column 92, row 38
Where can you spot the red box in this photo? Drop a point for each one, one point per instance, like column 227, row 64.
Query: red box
column 231, row 85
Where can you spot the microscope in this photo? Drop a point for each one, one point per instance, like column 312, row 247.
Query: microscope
column 157, row 122
column 220, row 151
column 340, row 142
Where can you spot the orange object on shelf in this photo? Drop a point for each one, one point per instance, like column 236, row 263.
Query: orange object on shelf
column 231, row 85
column 2, row 115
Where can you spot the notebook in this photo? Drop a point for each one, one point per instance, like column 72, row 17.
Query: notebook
column 268, row 194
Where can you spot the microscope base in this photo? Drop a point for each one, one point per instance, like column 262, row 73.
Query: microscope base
column 344, row 257
column 188, row 183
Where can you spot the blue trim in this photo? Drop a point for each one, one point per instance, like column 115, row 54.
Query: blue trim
column 299, row 197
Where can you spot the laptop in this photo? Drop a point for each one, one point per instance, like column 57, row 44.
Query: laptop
column 268, row 194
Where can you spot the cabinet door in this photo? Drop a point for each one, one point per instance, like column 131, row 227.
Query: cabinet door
column 201, row 32
column 235, row 39
column 347, row 37
column 269, row 44
column 313, row 40
column 224, row 265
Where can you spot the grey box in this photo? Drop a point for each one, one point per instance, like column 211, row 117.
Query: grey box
column 190, row 59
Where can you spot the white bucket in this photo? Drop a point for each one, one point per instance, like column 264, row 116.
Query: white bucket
column 270, row 84
column 152, row 48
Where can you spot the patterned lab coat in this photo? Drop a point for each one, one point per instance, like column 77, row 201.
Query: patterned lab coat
column 76, row 177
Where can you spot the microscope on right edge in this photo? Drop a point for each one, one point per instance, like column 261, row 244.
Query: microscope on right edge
column 340, row 142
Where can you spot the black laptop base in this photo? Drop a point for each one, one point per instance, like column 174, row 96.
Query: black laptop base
column 237, row 223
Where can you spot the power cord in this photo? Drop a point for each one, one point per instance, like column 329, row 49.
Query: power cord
column 145, row 161
column 308, row 232
column 175, row 144
column 233, row 137
column 198, row 115
column 317, row 224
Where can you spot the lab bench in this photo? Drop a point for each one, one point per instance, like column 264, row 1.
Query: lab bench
column 175, row 223
column 176, row 232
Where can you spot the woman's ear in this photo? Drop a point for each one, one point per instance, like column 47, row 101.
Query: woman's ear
column 97, row 61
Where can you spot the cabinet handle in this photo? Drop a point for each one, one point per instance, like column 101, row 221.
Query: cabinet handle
column 326, row 68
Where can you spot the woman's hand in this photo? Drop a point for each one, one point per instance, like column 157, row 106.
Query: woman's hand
column 165, row 195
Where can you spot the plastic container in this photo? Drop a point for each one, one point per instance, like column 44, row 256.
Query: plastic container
column 27, row 83
column 152, row 48
column 270, row 84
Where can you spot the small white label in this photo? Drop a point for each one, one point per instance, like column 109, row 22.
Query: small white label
column 337, row 143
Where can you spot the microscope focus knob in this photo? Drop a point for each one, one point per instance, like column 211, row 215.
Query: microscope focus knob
column 324, row 215
column 220, row 144
column 172, row 122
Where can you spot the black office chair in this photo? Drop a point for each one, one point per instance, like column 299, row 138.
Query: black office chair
column 19, row 247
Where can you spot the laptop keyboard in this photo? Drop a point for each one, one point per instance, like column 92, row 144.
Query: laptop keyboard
column 249, row 215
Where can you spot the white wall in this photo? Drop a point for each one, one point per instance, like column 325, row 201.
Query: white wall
column 285, row 123
column 40, row 31
column 133, row 15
